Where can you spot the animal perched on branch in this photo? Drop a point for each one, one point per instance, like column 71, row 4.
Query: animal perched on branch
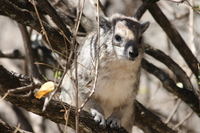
column 117, row 56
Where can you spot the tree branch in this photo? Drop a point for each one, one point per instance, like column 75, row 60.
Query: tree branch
column 55, row 17
column 184, row 94
column 174, row 36
column 145, row 118
column 54, row 110
column 141, row 10
column 15, row 54
column 176, row 69
column 7, row 128
column 25, row 18
column 85, row 23
column 25, row 4
column 33, row 70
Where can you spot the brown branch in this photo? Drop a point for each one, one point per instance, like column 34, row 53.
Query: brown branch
column 176, row 69
column 46, row 6
column 141, row 10
column 174, row 36
column 25, row 4
column 25, row 18
column 22, row 119
column 15, row 54
column 7, row 128
column 7, row 80
column 184, row 94
column 66, row 17
column 86, row 24
column 145, row 118
column 54, row 110
column 33, row 70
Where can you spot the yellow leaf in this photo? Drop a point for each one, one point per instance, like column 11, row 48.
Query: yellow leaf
column 44, row 89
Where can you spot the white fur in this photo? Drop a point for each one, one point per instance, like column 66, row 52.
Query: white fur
column 115, row 86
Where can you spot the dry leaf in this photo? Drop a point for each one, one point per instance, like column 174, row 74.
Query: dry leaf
column 44, row 89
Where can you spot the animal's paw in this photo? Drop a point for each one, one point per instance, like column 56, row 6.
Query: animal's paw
column 113, row 122
column 98, row 117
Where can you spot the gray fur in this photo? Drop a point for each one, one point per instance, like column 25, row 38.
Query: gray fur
column 120, row 55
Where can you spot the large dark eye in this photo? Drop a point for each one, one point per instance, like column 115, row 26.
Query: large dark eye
column 140, row 40
column 118, row 38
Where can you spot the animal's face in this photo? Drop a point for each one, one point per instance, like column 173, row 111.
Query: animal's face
column 126, row 36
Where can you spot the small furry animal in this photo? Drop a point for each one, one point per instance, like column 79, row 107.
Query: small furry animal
column 120, row 52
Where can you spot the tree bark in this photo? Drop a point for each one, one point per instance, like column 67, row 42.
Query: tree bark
column 55, row 110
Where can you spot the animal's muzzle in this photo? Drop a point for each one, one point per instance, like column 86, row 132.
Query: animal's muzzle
column 132, row 53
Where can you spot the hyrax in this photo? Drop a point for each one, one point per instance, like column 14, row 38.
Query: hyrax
column 120, row 52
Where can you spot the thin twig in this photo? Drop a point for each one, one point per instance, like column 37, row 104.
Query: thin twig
column 44, row 32
column 96, row 63
column 177, row 1
column 5, row 95
column 191, row 30
column 23, row 88
column 186, row 117
column 74, row 49
column 66, row 114
column 22, row 95
column 55, row 17
column 16, row 91
column 44, row 64
column 18, row 127
column 188, row 96
column 187, row 3
column 66, row 57
column 173, row 111
column 94, row 6
column 48, row 99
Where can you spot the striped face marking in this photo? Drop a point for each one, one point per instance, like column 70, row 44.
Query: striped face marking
column 123, row 30
column 126, row 34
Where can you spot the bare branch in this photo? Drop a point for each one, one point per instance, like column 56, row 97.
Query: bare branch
column 33, row 70
column 174, row 36
column 173, row 111
column 7, row 128
column 86, row 24
column 186, row 117
column 141, row 10
column 184, row 94
column 55, row 111
column 16, row 54
column 146, row 119
column 176, row 69
column 45, row 5
column 25, row 18
column 187, row 3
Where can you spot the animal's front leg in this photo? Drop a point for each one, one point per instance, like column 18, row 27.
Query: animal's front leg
column 122, row 117
column 114, row 120
column 97, row 112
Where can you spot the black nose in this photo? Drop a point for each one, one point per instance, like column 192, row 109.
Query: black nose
column 133, row 54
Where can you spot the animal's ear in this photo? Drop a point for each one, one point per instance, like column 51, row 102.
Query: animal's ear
column 104, row 23
column 144, row 26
